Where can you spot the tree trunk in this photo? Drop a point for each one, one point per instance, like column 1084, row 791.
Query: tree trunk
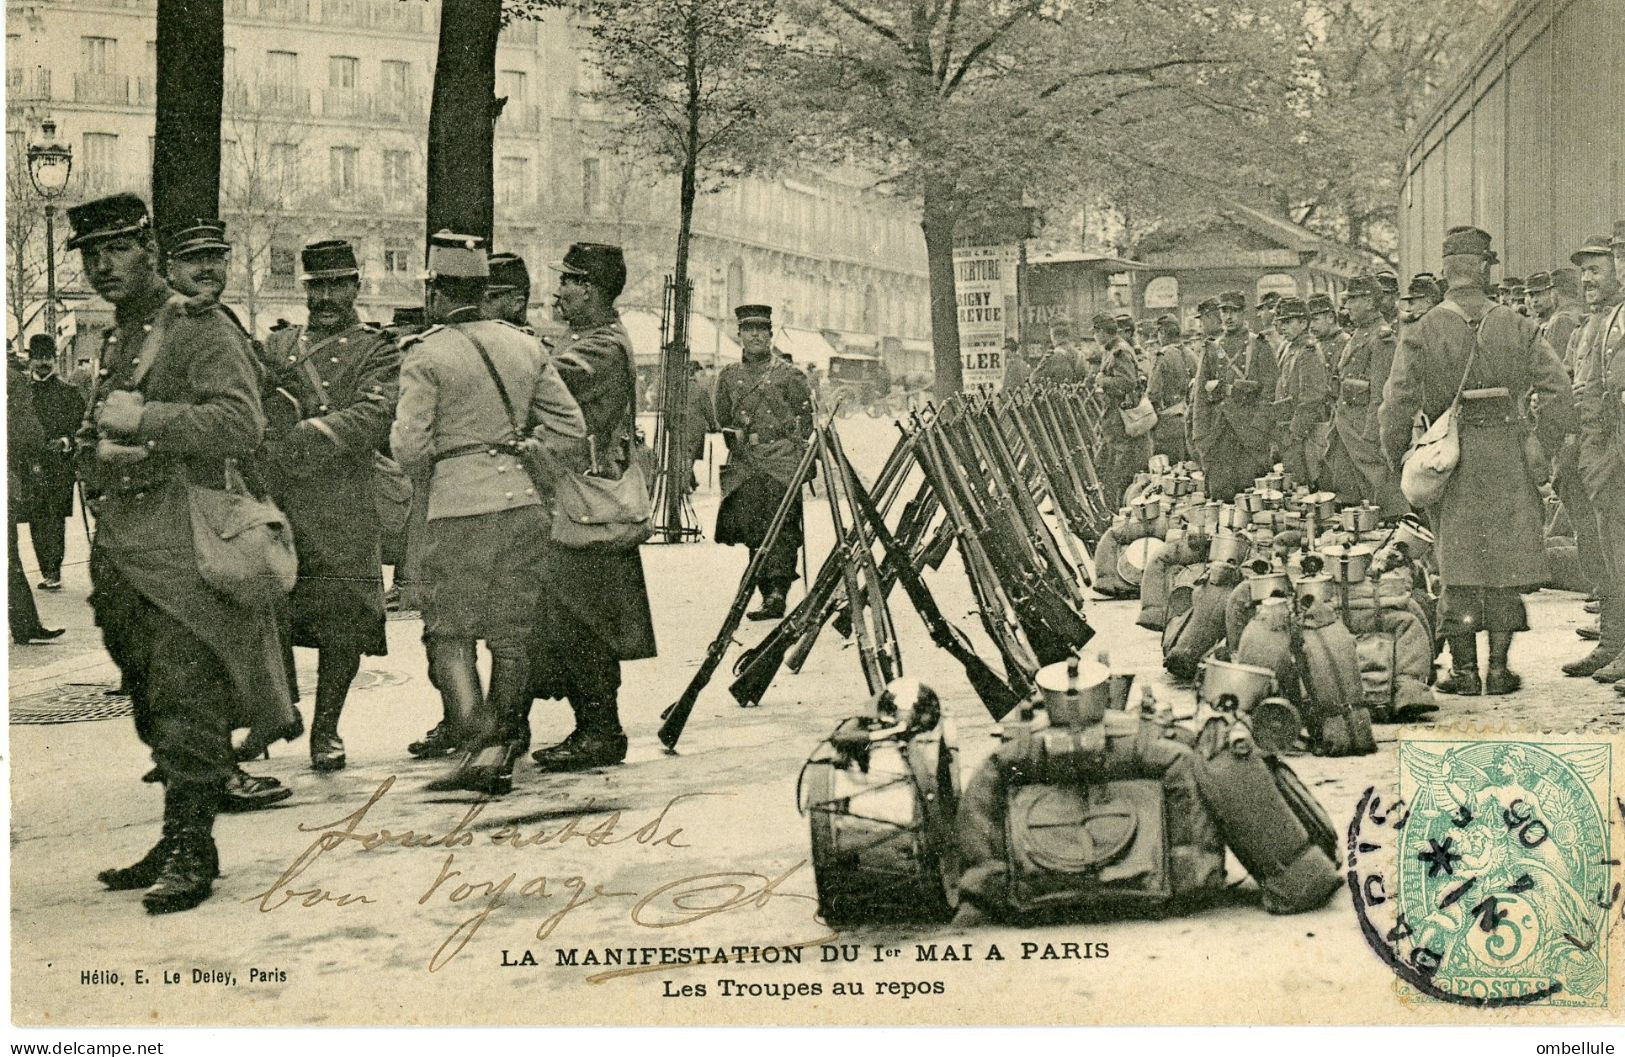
column 191, row 60
column 938, row 219
column 462, row 119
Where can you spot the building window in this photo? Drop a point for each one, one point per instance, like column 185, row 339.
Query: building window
column 1162, row 292
column 398, row 262
column 343, row 71
column 100, row 157
column 282, row 67
column 592, row 187
column 98, row 54
column 395, row 77
column 343, row 163
column 397, row 171
column 285, row 164
column 283, row 267
column 511, row 83
column 513, row 181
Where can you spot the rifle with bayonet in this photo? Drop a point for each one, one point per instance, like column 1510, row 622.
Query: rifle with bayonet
column 877, row 646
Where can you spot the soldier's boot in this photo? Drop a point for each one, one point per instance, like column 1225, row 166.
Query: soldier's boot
column 1501, row 679
column 1591, row 632
column 1463, row 679
column 335, row 671
column 773, row 603
column 250, row 792
column 598, row 741
column 1610, row 642
column 546, row 753
column 439, row 740
column 188, row 873
column 486, row 765
column 141, row 874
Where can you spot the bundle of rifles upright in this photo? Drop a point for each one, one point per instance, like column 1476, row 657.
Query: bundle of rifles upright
column 1008, row 479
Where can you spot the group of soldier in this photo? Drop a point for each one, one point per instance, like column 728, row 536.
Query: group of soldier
column 1333, row 392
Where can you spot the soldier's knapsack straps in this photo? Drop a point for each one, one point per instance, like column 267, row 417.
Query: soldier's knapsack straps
column 491, row 368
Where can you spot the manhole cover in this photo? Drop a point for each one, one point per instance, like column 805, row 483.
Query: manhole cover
column 72, row 703
column 365, row 679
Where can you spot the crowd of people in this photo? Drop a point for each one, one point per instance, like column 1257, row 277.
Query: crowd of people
column 1333, row 393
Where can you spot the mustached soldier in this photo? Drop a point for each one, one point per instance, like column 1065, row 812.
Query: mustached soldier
column 330, row 396
column 1234, row 385
column 764, row 409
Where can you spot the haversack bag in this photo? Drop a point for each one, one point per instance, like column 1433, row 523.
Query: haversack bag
column 1139, row 419
column 243, row 545
column 1426, row 468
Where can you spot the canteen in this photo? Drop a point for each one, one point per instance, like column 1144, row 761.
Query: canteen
column 1267, row 583
column 1322, row 506
column 1274, row 724
column 1159, row 464
column 1233, row 517
column 1227, row 685
column 1414, row 535
column 1075, row 691
column 1203, row 519
column 1319, row 588
column 1181, row 485
column 1359, row 519
column 1348, row 563
column 1227, row 546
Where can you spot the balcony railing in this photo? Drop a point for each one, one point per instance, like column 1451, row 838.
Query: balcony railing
column 284, row 99
column 400, row 108
column 146, row 91
column 390, row 16
column 394, row 16
column 345, row 102
column 520, row 117
column 101, row 88
column 25, row 84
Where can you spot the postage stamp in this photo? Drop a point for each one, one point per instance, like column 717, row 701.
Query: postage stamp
column 1494, row 878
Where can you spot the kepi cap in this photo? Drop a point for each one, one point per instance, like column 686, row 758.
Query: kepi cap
column 601, row 264
column 508, row 272
column 1233, row 299
column 1363, row 286
column 1288, row 308
column 1104, row 323
column 1423, row 285
column 454, row 256
column 1209, row 304
column 108, row 218
column 1319, row 304
column 1470, row 242
column 754, row 315
column 1594, row 246
column 195, row 236
column 328, row 259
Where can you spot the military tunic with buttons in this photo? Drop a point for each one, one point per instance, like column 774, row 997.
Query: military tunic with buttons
column 197, row 665
column 765, row 412
column 1354, row 464
column 1230, row 424
column 1302, row 395
column 344, row 385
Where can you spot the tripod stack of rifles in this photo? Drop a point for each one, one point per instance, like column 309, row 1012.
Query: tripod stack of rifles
column 1008, row 480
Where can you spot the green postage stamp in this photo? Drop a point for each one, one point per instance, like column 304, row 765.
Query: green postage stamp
column 1506, row 871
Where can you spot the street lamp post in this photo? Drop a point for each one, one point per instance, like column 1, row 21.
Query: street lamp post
column 49, row 165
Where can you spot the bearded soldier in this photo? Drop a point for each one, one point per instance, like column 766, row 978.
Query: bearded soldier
column 1302, row 394
column 176, row 404
column 764, row 409
column 1231, row 426
column 331, row 388
column 1599, row 379
column 1354, row 466
column 1490, row 519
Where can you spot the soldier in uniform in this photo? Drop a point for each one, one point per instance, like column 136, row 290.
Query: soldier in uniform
column 595, row 605
column 1325, row 326
column 1422, row 294
column 764, row 410
column 1169, row 390
column 1234, row 385
column 1016, row 371
column 60, row 408
column 1122, row 384
column 1354, row 465
column 1599, row 379
column 507, row 291
column 196, row 255
column 1490, row 521
column 1387, row 296
column 176, row 403
column 330, row 392
column 1269, row 322
column 1302, row 394
column 472, row 391
column 1065, row 364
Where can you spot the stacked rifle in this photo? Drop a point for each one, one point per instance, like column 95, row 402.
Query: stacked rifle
column 1009, row 480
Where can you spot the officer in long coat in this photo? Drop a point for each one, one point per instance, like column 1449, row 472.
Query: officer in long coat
column 1490, row 521
column 472, row 391
column 595, row 604
column 1302, row 394
column 60, row 409
column 330, row 392
column 1599, row 379
column 1355, row 466
column 1235, row 384
column 177, row 401
column 763, row 408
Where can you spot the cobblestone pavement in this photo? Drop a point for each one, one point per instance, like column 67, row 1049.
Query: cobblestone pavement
column 434, row 921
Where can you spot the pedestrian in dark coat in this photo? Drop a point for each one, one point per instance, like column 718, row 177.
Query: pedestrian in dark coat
column 24, row 440
column 763, row 407
column 594, row 610
column 471, row 390
column 1489, row 522
column 330, row 393
column 60, row 409
column 1235, row 385
column 177, row 404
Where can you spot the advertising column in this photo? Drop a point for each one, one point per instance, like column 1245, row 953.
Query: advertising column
column 985, row 289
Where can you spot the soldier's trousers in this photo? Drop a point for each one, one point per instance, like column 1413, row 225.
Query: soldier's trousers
column 745, row 516
column 1609, row 508
column 1120, row 460
column 1469, row 610
column 182, row 694
column 1582, row 515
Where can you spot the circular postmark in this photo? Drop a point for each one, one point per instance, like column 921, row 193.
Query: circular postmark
column 1489, row 880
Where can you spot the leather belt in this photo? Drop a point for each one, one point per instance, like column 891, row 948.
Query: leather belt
column 492, row 449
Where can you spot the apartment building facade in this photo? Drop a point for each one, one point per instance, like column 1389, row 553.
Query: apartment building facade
column 324, row 131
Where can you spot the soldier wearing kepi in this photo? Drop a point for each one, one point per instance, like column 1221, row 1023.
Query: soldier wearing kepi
column 1302, row 394
column 1120, row 381
column 474, row 391
column 1169, row 390
column 1422, row 294
column 507, row 291
column 196, row 255
column 330, row 391
column 764, row 410
column 595, row 604
column 1234, row 386
column 1354, row 466
column 176, row 403
column 1490, row 519
column 1599, row 380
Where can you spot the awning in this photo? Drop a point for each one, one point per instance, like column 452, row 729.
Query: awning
column 806, row 348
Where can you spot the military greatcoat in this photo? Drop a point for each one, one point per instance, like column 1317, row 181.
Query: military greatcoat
column 344, row 384
column 1355, row 466
column 197, row 664
column 1231, row 423
column 764, row 409
column 1302, row 395
column 1490, row 521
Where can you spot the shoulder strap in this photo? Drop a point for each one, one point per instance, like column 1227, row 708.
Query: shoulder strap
column 1478, row 333
column 154, row 341
column 502, row 390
